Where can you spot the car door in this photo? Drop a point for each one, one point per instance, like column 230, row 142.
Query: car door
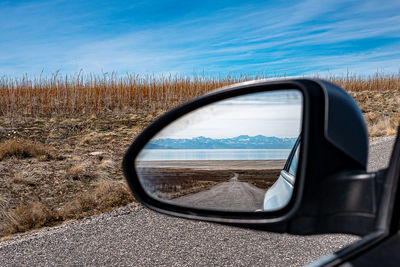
column 281, row 191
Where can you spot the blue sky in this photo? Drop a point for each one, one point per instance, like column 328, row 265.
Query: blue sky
column 273, row 37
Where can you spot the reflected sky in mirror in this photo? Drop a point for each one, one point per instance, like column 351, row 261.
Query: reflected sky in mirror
column 276, row 114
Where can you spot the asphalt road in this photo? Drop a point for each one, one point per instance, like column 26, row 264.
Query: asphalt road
column 379, row 153
column 135, row 236
column 231, row 195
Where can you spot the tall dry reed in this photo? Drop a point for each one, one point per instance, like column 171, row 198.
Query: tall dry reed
column 94, row 94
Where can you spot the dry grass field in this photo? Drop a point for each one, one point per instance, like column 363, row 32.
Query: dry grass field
column 62, row 138
column 59, row 169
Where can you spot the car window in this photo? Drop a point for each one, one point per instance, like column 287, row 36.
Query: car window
column 293, row 165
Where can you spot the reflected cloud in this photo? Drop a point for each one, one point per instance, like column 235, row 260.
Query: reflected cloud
column 276, row 114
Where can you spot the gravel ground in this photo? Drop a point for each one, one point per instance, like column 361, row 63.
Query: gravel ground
column 379, row 153
column 135, row 236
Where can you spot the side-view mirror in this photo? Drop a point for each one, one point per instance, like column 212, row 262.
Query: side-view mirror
column 282, row 155
column 227, row 155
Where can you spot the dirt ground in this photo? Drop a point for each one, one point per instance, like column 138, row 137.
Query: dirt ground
column 73, row 176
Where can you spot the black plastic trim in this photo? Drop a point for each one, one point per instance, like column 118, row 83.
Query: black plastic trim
column 374, row 245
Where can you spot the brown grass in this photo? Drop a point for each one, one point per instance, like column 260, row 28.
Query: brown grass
column 92, row 94
column 22, row 148
column 107, row 195
column 24, row 178
column 80, row 179
column 35, row 214
column 80, row 172
column 3, row 210
column 263, row 179
column 381, row 111
column 376, row 82
column 26, row 217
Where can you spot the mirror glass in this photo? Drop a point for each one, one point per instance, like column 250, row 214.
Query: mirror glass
column 238, row 154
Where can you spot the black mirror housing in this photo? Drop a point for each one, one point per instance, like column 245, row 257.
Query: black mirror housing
column 333, row 156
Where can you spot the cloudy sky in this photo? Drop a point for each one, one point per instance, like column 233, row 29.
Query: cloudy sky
column 273, row 37
column 276, row 114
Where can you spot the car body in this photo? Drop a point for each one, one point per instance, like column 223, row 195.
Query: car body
column 281, row 191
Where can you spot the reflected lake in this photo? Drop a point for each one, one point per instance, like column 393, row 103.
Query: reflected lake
column 214, row 154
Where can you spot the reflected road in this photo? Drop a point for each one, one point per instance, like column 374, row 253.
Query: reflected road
column 231, row 195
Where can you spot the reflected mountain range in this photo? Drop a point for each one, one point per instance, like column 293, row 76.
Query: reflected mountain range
column 239, row 142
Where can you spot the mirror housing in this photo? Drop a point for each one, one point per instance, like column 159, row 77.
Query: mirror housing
column 332, row 192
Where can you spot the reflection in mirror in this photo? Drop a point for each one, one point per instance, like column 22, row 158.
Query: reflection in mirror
column 238, row 154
